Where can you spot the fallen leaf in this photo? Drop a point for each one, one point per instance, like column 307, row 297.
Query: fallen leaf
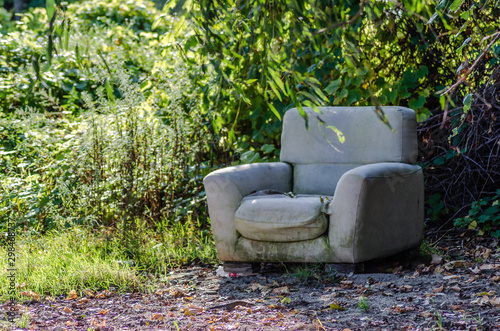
column 336, row 306
column 162, row 291
column 426, row 314
column 157, row 317
column 30, row 294
column 495, row 278
column 346, row 283
column 281, row 290
column 103, row 294
column 51, row 299
column 406, row 288
column 96, row 323
column 255, row 286
column 486, row 253
column 489, row 267
column 176, row 293
column 483, row 300
column 456, row 307
column 67, row 310
column 192, row 310
column 72, row 295
column 231, row 326
column 454, row 264
column 104, row 312
column 450, row 277
column 436, row 259
column 495, row 301
column 70, row 323
column 456, row 288
column 21, row 286
column 82, row 301
column 481, row 294
column 438, row 289
column 402, row 310
column 428, row 269
column 398, row 269
column 88, row 293
column 286, row 300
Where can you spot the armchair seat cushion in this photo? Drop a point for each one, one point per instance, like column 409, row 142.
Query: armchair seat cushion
column 281, row 218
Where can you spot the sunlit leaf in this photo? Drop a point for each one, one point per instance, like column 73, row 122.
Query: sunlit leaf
column 456, row 5
column 277, row 80
column 340, row 135
column 158, row 20
column 467, row 102
column 275, row 112
column 51, row 8
column 335, row 306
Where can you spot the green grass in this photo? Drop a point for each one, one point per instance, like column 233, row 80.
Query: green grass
column 363, row 304
column 78, row 259
column 57, row 263
column 312, row 273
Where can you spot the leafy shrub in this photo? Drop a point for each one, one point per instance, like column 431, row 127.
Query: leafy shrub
column 29, row 68
column 483, row 215
column 5, row 20
column 136, row 15
column 459, row 146
column 106, row 131
column 137, row 156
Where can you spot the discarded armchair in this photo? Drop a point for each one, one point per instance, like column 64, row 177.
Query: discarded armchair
column 345, row 191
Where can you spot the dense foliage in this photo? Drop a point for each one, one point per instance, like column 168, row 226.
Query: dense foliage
column 112, row 111
column 101, row 122
column 438, row 58
column 270, row 56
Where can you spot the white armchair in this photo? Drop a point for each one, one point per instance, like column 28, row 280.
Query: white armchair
column 326, row 201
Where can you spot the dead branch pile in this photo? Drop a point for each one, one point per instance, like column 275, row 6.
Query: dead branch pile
column 461, row 153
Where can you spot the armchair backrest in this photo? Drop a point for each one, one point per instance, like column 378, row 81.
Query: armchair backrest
column 319, row 158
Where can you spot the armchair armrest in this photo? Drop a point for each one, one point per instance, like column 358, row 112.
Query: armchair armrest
column 226, row 187
column 386, row 202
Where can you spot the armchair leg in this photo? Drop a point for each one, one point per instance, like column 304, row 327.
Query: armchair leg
column 346, row 268
column 241, row 267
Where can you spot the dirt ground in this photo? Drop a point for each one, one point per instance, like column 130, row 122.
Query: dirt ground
column 457, row 289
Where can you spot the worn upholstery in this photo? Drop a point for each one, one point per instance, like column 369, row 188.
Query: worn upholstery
column 353, row 201
column 281, row 218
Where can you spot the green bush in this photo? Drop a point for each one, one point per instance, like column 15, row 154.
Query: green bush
column 137, row 156
column 31, row 67
column 137, row 15
column 484, row 216
column 103, row 129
